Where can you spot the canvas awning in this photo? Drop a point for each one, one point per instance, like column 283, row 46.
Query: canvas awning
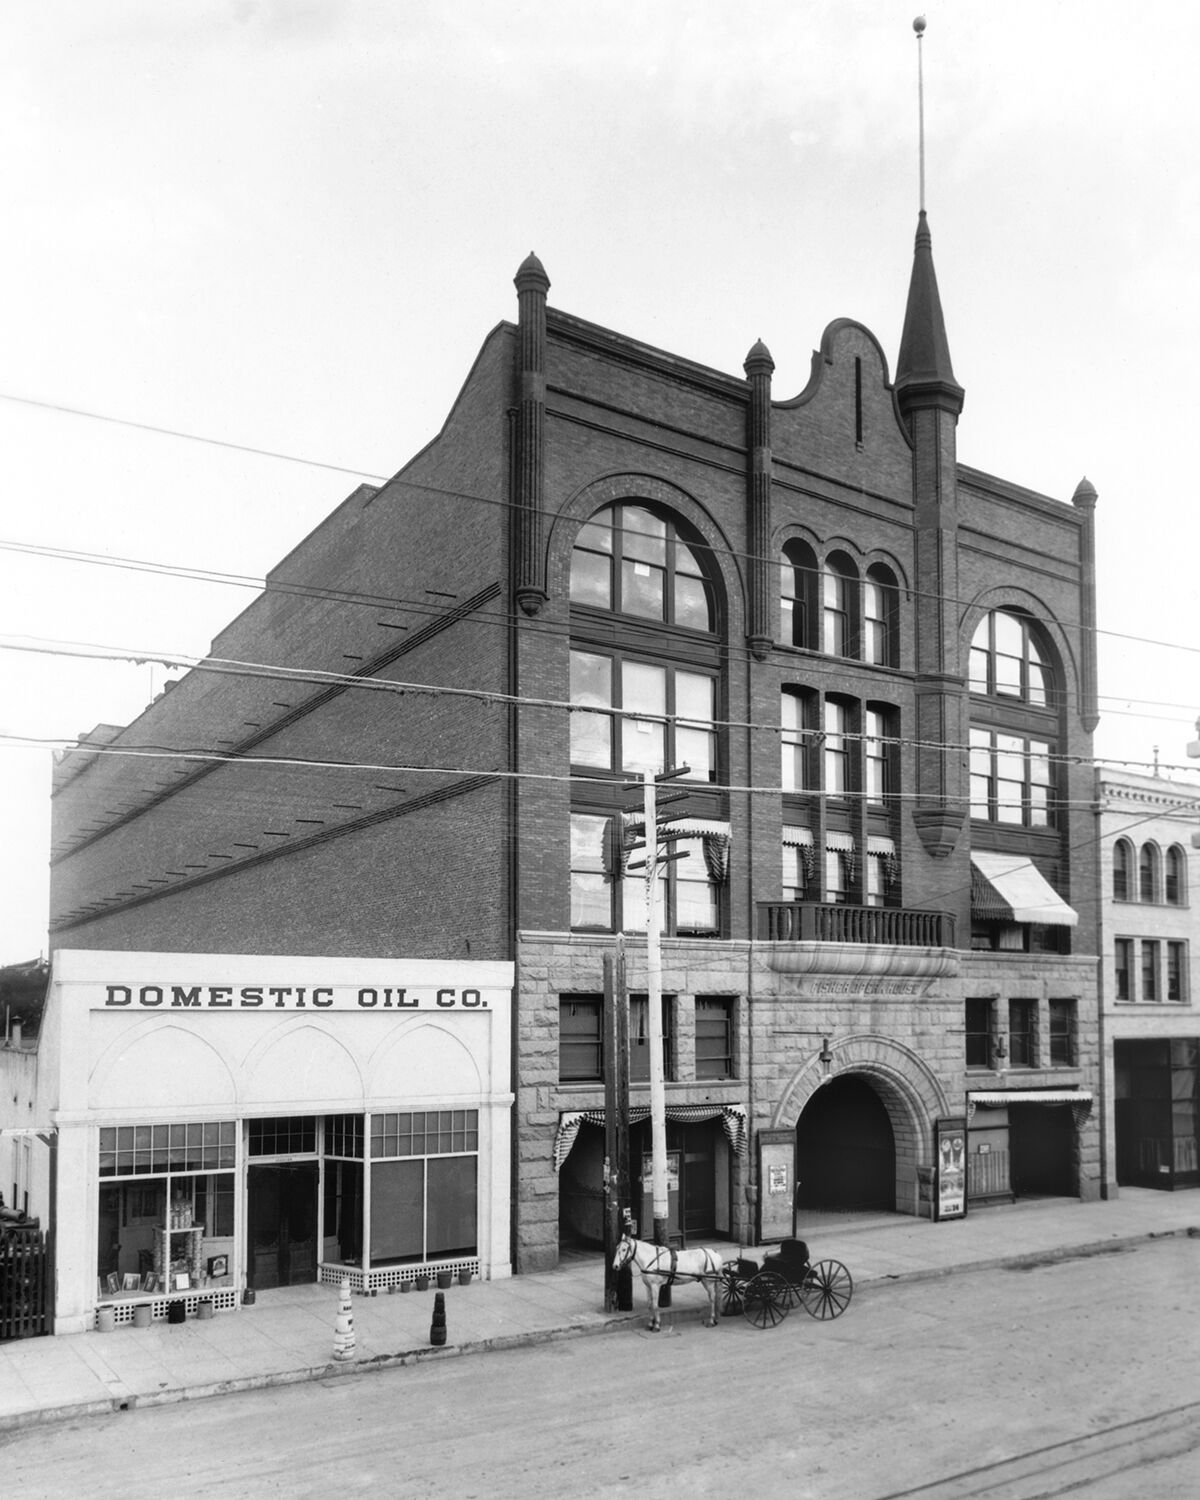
column 1080, row 1100
column 1009, row 888
column 732, row 1117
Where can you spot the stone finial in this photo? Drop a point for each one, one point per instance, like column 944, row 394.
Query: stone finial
column 531, row 275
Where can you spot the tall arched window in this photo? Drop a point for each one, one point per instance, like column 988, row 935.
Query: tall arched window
column 1122, row 870
column 1007, row 662
column 1148, row 872
column 1176, row 876
column 797, row 595
column 633, row 561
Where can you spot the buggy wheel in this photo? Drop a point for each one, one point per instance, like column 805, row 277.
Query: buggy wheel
column 730, row 1292
column 765, row 1300
column 826, row 1290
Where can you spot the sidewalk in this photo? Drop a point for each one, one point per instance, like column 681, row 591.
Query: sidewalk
column 288, row 1335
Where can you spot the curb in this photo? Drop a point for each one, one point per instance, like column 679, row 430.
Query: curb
column 500, row 1342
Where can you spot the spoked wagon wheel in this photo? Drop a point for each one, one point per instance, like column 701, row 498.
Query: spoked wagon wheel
column 826, row 1290
column 765, row 1300
column 730, row 1292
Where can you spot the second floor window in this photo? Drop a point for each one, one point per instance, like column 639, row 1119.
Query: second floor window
column 979, row 1025
column 1022, row 1033
column 1063, row 1051
column 714, row 1037
column 604, row 900
column 636, row 716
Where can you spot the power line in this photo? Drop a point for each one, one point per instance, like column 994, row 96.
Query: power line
column 732, row 554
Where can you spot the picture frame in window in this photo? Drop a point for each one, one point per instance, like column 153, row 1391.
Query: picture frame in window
column 151, row 1282
column 218, row 1265
column 131, row 1282
column 112, row 1283
column 182, row 1281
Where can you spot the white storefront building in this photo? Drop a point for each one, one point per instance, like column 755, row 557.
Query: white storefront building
column 224, row 1124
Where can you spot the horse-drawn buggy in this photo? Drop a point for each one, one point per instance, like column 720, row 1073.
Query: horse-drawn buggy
column 763, row 1293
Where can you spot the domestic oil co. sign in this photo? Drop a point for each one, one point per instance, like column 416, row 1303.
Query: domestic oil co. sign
column 291, row 997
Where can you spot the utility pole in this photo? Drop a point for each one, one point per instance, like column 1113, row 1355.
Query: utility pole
column 618, row 1285
column 654, row 861
column 1193, row 750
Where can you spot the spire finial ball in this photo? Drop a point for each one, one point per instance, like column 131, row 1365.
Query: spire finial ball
column 919, row 25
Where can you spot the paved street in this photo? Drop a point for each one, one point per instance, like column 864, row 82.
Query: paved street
column 999, row 1384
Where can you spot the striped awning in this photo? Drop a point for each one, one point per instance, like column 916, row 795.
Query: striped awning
column 1009, row 888
column 1080, row 1100
column 732, row 1117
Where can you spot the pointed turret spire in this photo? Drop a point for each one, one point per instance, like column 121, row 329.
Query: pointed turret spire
column 924, row 374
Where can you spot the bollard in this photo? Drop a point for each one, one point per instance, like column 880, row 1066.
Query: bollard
column 343, row 1328
column 437, row 1328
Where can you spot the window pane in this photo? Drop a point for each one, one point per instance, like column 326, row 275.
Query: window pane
column 397, row 1211
column 691, row 603
column 643, row 690
column 591, row 733
column 644, row 535
column 591, row 579
column 451, row 1197
column 642, row 589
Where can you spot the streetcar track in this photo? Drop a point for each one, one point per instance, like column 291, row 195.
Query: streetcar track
column 1059, row 1468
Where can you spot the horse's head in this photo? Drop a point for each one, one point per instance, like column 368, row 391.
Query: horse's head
column 625, row 1252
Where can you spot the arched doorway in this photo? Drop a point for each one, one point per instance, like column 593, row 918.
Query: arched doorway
column 845, row 1149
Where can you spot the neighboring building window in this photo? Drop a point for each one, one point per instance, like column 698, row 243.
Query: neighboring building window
column 580, row 1039
column 1176, row 876
column 837, row 606
column 1123, row 967
column 1022, row 1033
column 1006, row 661
column 714, row 1037
column 1176, row 971
column 797, row 595
column 1149, row 969
column 880, row 607
column 1122, row 869
column 979, row 1033
column 1148, row 873
column 1063, row 1051
column 639, row 1038
column 637, row 716
column 633, row 561
column 1011, row 779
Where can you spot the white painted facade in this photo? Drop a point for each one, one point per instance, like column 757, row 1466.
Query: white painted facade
column 150, row 1038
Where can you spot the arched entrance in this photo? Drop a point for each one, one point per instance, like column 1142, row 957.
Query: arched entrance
column 845, row 1149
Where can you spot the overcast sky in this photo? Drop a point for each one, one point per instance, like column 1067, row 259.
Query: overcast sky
column 289, row 225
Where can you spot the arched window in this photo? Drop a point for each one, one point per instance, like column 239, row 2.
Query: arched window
column 880, row 604
column 633, row 561
column 1007, row 662
column 797, row 595
column 839, row 634
column 1122, row 870
column 1176, row 877
column 1148, row 873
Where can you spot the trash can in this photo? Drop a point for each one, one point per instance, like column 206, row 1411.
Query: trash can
column 142, row 1315
column 177, row 1312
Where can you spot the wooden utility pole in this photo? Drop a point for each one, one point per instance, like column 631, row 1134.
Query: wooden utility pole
column 618, row 1285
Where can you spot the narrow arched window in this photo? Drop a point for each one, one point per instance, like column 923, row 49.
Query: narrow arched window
column 1148, row 873
column 838, row 624
column 1176, row 876
column 880, row 604
column 797, row 595
column 1122, row 870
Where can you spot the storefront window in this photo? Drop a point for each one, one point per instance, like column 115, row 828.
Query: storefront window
column 424, row 1203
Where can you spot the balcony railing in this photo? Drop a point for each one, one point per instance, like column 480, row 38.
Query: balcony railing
column 828, row 922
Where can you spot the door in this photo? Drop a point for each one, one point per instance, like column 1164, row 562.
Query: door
column 845, row 1149
column 1041, row 1143
column 281, row 1225
column 698, row 1178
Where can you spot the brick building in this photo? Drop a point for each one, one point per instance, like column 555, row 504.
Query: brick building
column 877, row 663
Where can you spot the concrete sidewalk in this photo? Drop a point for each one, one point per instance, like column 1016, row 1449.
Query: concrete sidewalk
column 288, row 1335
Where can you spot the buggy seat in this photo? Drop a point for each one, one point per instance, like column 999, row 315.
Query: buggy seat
column 790, row 1260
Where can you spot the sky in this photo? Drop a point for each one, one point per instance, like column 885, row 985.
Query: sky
column 288, row 225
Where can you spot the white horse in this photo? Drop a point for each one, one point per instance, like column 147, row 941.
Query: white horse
column 659, row 1266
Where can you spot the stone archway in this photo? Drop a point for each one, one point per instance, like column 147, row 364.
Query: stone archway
column 906, row 1088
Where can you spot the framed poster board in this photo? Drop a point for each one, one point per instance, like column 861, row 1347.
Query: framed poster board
column 950, row 1171
column 776, row 1184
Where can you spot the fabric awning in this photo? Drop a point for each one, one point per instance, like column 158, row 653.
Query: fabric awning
column 732, row 1117
column 797, row 837
column 1009, row 887
column 1080, row 1100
